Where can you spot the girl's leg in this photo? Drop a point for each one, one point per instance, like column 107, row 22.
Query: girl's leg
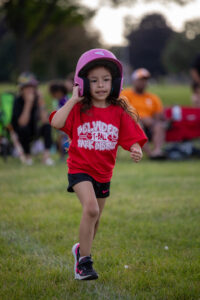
column 101, row 203
column 90, row 215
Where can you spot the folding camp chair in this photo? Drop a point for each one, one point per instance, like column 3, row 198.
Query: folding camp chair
column 184, row 127
column 8, row 137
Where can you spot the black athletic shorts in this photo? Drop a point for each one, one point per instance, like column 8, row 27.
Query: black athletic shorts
column 102, row 190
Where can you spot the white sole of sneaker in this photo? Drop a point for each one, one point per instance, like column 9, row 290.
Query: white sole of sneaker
column 76, row 275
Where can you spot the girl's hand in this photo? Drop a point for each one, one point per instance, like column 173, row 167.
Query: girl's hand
column 75, row 94
column 136, row 152
column 60, row 117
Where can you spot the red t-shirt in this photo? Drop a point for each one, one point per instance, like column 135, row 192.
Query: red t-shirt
column 95, row 136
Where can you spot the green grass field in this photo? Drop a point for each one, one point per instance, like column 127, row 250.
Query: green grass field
column 170, row 94
column 151, row 223
column 152, row 205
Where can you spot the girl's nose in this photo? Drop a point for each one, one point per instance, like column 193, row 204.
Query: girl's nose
column 100, row 83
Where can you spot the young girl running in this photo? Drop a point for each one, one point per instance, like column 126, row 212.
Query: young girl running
column 97, row 122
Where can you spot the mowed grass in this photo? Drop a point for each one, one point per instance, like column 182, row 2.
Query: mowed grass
column 150, row 224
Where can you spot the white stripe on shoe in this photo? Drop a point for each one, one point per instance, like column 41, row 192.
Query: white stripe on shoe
column 77, row 275
column 74, row 248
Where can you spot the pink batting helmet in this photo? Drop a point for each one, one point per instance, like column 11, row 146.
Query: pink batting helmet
column 86, row 62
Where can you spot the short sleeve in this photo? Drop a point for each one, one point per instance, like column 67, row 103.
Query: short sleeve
column 130, row 132
column 67, row 128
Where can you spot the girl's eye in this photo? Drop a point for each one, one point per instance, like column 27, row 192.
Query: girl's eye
column 95, row 80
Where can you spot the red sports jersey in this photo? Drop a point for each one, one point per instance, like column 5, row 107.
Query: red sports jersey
column 95, row 136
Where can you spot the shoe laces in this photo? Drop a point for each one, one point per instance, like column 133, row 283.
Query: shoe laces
column 86, row 264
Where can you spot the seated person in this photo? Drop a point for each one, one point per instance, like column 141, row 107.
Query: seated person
column 195, row 69
column 196, row 94
column 58, row 92
column 195, row 75
column 150, row 110
column 28, row 111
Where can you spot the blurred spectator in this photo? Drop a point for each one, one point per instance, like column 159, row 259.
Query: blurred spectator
column 195, row 69
column 196, row 94
column 150, row 110
column 58, row 92
column 195, row 74
column 28, row 111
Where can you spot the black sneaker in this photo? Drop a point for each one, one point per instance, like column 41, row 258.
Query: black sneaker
column 83, row 270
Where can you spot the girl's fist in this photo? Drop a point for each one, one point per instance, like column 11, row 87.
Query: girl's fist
column 136, row 152
column 75, row 94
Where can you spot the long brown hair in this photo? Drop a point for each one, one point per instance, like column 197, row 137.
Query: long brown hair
column 87, row 104
column 113, row 69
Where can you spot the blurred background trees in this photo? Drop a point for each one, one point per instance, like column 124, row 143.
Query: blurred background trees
column 154, row 45
column 147, row 42
column 182, row 48
column 42, row 36
column 48, row 36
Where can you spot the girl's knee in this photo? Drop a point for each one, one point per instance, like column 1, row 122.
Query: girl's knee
column 92, row 211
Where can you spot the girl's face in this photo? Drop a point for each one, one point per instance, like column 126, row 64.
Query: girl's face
column 100, row 84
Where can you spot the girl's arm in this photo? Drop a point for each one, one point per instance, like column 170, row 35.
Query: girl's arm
column 60, row 117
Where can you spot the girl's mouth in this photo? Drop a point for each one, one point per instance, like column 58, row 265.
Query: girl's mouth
column 101, row 92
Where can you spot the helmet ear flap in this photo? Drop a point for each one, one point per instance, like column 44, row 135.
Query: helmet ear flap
column 86, row 86
column 116, row 85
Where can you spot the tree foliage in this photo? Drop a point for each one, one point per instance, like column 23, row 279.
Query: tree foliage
column 32, row 22
column 50, row 60
column 182, row 48
column 147, row 42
